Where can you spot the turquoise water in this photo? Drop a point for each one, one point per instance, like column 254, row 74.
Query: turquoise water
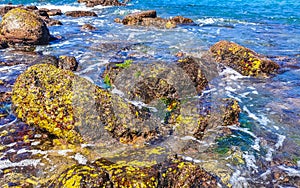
column 270, row 107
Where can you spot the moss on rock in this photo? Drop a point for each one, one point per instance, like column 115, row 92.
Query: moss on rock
column 243, row 60
column 71, row 107
column 22, row 26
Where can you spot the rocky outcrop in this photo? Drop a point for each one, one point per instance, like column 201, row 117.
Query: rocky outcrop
column 72, row 108
column 42, row 12
column 243, row 60
column 172, row 173
column 92, row 3
column 22, row 26
column 81, row 13
column 149, row 18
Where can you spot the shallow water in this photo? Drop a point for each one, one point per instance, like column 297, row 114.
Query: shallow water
column 270, row 107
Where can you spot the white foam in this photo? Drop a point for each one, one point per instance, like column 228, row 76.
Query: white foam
column 237, row 181
column 80, row 158
column 75, row 7
column 27, row 162
column 291, row 171
column 245, row 130
column 256, row 145
column 269, row 154
column 280, row 141
column 250, row 161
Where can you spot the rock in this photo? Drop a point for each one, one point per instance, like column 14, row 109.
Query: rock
column 52, row 12
column 149, row 18
column 136, row 18
column 5, row 9
column 243, row 60
column 79, row 13
column 82, row 176
column 181, row 20
column 171, row 173
column 67, row 63
column 87, row 27
column 22, row 26
column 92, row 3
column 72, row 108
column 3, row 43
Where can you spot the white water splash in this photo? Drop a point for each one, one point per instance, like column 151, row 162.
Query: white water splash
column 27, row 162
column 250, row 161
column 290, row 171
column 80, row 158
column 281, row 139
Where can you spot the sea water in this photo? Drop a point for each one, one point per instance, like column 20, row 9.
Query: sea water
column 270, row 107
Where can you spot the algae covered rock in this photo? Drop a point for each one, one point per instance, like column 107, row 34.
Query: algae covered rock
column 70, row 107
column 243, row 60
column 22, row 26
column 82, row 176
column 149, row 18
column 171, row 173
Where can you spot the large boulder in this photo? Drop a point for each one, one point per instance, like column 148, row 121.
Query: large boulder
column 70, row 107
column 22, row 26
column 243, row 60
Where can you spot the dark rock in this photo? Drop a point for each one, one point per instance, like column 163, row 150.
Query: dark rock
column 92, row 3
column 52, row 12
column 181, row 20
column 88, row 27
column 137, row 18
column 149, row 18
column 80, row 13
column 67, row 63
column 5, row 9
column 192, row 68
column 22, row 26
column 243, row 60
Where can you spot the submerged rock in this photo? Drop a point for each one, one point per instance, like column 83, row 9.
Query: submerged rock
column 149, row 18
column 22, row 26
column 71, row 107
column 87, row 27
column 92, row 3
column 80, row 13
column 243, row 60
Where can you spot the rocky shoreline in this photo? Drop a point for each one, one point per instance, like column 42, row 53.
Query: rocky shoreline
column 60, row 110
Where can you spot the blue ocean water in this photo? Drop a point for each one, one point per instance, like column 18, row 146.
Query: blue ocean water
column 270, row 107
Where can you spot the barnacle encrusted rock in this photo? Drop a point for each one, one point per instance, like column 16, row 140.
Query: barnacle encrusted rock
column 243, row 60
column 22, row 26
column 171, row 173
column 71, row 107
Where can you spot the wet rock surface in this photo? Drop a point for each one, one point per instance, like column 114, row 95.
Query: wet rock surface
column 80, row 13
column 243, row 60
column 68, row 105
column 22, row 26
column 149, row 18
